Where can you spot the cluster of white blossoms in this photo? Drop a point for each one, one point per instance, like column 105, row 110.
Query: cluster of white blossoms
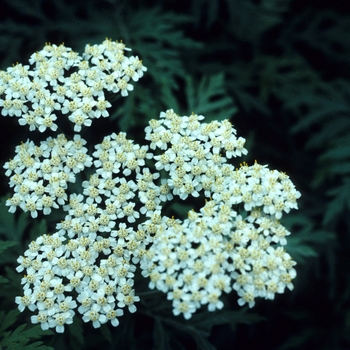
column 57, row 82
column 91, row 259
column 40, row 175
column 235, row 240
column 120, row 221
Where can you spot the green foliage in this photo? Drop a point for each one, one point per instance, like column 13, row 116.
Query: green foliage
column 253, row 19
column 18, row 229
column 198, row 327
column 332, row 142
column 209, row 98
column 330, row 29
column 304, row 242
column 6, row 244
column 12, row 227
column 22, row 336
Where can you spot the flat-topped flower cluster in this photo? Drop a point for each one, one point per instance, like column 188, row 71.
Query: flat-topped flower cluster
column 120, row 221
column 235, row 240
column 59, row 81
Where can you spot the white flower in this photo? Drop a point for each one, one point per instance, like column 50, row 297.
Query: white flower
column 60, row 319
column 93, row 315
column 186, row 308
column 128, row 300
column 104, row 302
column 101, row 107
column 112, row 315
column 29, row 119
column 42, row 318
column 32, row 204
column 247, row 296
column 214, row 302
column 79, row 119
column 85, row 299
column 128, row 212
column 137, row 65
column 28, row 300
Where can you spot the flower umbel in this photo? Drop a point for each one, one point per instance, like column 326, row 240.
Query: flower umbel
column 58, row 81
column 120, row 221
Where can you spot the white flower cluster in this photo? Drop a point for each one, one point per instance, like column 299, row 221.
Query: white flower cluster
column 96, row 248
column 119, row 220
column 192, row 150
column 40, row 175
column 58, row 81
column 234, row 241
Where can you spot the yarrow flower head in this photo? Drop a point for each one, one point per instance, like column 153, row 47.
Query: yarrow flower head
column 119, row 222
column 39, row 175
column 58, row 82
column 216, row 249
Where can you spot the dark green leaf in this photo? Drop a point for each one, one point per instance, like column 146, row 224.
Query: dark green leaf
column 9, row 319
column 6, row 244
